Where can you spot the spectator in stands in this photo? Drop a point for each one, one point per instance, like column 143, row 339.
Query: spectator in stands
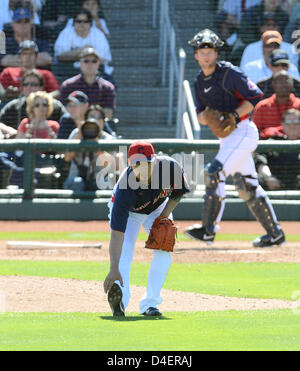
column 259, row 69
column 11, row 77
column 77, row 105
column 9, row 6
column 288, row 6
column 229, row 18
column 268, row 112
column 15, row 111
column 37, row 125
column 281, row 170
column 22, row 31
column 97, row 112
column 294, row 24
column 255, row 51
column 94, row 7
column 258, row 19
column 72, row 40
column 85, row 165
column 98, row 90
column 278, row 61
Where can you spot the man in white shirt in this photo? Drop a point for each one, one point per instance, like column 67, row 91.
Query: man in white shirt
column 72, row 40
column 254, row 51
column 259, row 69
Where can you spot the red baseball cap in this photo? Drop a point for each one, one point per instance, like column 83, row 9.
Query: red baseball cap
column 140, row 151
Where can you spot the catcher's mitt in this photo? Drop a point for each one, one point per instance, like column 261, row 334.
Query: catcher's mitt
column 221, row 123
column 162, row 235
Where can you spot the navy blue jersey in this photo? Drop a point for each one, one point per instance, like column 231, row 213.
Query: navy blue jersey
column 167, row 181
column 225, row 90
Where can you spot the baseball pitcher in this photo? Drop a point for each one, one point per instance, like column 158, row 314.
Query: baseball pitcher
column 146, row 194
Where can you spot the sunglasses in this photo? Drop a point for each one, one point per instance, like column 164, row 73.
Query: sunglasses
column 97, row 117
column 32, row 84
column 281, row 65
column 82, row 21
column 38, row 105
column 86, row 61
column 271, row 46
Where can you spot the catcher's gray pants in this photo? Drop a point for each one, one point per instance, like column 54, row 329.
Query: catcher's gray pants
column 160, row 264
column 235, row 154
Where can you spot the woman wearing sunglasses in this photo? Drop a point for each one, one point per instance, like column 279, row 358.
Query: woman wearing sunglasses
column 37, row 125
column 72, row 40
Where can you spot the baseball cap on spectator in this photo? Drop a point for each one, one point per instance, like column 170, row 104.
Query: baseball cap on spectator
column 279, row 56
column 21, row 13
column 28, row 44
column 140, row 151
column 77, row 97
column 270, row 37
column 89, row 51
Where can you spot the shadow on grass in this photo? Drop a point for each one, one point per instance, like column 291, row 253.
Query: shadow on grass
column 133, row 318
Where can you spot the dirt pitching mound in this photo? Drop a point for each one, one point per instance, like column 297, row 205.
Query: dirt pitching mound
column 44, row 294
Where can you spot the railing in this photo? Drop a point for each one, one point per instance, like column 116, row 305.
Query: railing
column 168, row 146
column 187, row 125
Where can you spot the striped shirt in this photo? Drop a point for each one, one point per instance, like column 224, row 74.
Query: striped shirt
column 100, row 92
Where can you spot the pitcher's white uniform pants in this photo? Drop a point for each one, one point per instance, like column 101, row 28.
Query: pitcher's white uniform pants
column 235, row 154
column 160, row 264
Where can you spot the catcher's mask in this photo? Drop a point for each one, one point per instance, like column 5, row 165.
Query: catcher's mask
column 206, row 39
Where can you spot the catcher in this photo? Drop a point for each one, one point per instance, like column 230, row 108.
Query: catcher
column 225, row 98
column 147, row 192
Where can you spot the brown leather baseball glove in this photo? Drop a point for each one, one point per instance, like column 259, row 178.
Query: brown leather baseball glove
column 162, row 235
column 221, row 123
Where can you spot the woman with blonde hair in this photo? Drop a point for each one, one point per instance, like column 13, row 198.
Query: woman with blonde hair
column 37, row 125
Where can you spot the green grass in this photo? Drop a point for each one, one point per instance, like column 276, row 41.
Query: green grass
column 103, row 236
column 224, row 330
column 230, row 330
column 256, row 280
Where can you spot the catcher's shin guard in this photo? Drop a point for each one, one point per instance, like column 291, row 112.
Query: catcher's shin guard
column 212, row 202
column 258, row 206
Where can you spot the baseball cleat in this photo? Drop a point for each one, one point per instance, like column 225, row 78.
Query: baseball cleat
column 198, row 232
column 114, row 298
column 268, row 241
column 152, row 312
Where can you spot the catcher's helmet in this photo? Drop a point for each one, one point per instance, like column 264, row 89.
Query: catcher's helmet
column 206, row 39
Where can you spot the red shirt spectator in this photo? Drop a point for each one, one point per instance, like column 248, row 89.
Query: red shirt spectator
column 39, row 133
column 13, row 76
column 268, row 113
